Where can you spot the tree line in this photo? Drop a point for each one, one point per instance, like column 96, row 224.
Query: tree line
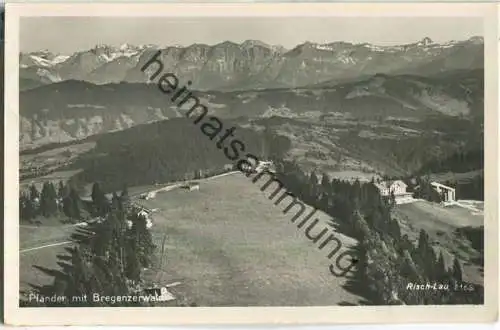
column 108, row 256
column 50, row 202
column 166, row 151
column 388, row 259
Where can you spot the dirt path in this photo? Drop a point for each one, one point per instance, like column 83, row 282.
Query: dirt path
column 44, row 246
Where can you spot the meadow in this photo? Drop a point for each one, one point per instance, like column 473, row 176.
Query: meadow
column 228, row 245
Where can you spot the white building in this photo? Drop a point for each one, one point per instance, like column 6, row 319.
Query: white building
column 145, row 214
column 396, row 187
column 191, row 186
column 447, row 192
column 264, row 166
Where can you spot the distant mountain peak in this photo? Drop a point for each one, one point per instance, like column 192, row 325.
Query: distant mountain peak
column 103, row 47
column 253, row 63
column 476, row 40
column 126, row 46
column 227, row 43
column 252, row 43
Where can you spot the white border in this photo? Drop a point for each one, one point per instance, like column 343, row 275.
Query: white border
column 246, row 315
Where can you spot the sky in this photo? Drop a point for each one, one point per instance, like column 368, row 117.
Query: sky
column 70, row 34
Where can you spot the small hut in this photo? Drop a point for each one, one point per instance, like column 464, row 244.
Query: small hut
column 191, row 186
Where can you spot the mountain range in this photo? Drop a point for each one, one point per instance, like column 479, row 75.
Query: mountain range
column 251, row 64
column 70, row 97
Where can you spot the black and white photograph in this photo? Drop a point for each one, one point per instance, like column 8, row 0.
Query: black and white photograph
column 251, row 161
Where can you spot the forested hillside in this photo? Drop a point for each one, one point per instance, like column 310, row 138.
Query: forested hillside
column 167, row 151
column 387, row 259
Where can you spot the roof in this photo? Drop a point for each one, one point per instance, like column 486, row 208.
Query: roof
column 381, row 185
column 437, row 184
column 389, row 184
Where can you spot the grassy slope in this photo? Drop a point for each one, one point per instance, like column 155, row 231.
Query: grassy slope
column 440, row 223
column 33, row 236
column 230, row 246
column 29, row 261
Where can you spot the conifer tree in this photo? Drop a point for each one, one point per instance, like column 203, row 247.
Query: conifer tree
column 44, row 201
column 324, row 202
column 115, row 202
column 421, row 254
column 313, row 188
column 430, row 264
column 125, row 198
column 79, row 274
column 457, row 270
column 48, row 203
column 133, row 266
column 423, row 242
column 67, row 206
column 325, row 183
column 27, row 208
column 34, row 194
column 395, row 230
column 75, row 204
column 61, row 190
column 99, row 200
column 392, row 199
column 143, row 239
column 441, row 267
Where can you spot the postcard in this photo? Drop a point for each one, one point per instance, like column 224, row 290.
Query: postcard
column 250, row 163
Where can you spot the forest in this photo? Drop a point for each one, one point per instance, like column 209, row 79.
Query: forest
column 107, row 256
column 388, row 260
column 166, row 151
column 51, row 202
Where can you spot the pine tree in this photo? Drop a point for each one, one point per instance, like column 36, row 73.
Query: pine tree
column 125, row 198
column 26, row 207
column 79, row 274
column 48, row 203
column 395, row 230
column 67, row 206
column 441, row 267
column 313, row 188
column 422, row 255
column 431, row 262
column 61, row 190
column 75, row 204
column 133, row 266
column 44, row 200
column 99, row 200
column 324, row 202
column 423, row 242
column 392, row 199
column 457, row 270
column 325, row 183
column 143, row 239
column 115, row 202
column 34, row 196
